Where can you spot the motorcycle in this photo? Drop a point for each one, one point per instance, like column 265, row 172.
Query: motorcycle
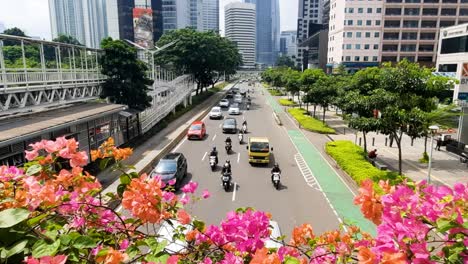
column 244, row 129
column 226, row 179
column 228, row 147
column 241, row 138
column 276, row 179
column 213, row 163
column 248, row 107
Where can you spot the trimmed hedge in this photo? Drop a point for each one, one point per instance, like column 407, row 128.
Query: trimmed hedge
column 351, row 158
column 275, row 92
column 286, row 102
column 309, row 123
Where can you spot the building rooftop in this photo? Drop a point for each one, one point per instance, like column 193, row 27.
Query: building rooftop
column 19, row 128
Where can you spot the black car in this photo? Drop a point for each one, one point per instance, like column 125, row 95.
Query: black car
column 171, row 166
column 230, row 125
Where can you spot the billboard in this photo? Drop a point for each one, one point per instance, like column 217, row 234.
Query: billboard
column 143, row 27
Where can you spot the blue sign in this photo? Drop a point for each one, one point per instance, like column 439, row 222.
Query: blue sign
column 463, row 96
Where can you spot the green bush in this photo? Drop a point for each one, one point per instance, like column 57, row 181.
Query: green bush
column 286, row 102
column 425, row 158
column 275, row 92
column 309, row 123
column 351, row 158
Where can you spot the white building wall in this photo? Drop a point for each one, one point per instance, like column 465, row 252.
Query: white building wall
column 240, row 25
column 355, row 31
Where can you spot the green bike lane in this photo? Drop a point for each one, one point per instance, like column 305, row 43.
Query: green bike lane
column 336, row 191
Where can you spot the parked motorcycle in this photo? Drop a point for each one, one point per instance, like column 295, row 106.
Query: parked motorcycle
column 226, row 179
column 276, row 179
column 213, row 163
column 228, row 147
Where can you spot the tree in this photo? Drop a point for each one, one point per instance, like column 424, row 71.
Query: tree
column 285, row 61
column 126, row 81
column 14, row 32
column 324, row 92
column 308, row 79
column 292, row 83
column 407, row 91
column 204, row 55
column 66, row 39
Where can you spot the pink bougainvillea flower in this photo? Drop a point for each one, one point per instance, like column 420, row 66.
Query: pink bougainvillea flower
column 190, row 187
column 30, row 155
column 124, row 244
column 185, row 200
column 172, row 182
column 172, row 259
column 10, row 173
column 230, row 258
column 207, row 261
column 168, row 196
column 79, row 159
column 283, row 252
column 59, row 259
column 206, row 194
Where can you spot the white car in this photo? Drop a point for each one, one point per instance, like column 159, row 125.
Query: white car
column 166, row 233
column 234, row 109
column 238, row 98
column 216, row 113
column 273, row 242
column 224, row 103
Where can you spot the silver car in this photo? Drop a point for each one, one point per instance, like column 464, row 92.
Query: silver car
column 234, row 109
column 216, row 113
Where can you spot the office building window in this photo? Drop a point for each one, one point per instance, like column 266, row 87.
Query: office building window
column 390, row 47
column 412, row 11
column 377, row 22
column 378, row 10
column 427, row 36
column 366, row 46
column 367, row 34
column 374, row 58
column 446, row 23
column 356, row 58
column 454, row 45
column 463, row 11
column 410, row 23
column 393, row 11
column 369, row 10
column 409, row 58
column 368, row 22
column 360, row 10
column 429, row 24
column 358, row 34
column 358, row 46
column 392, row 24
column 348, row 58
column 350, row 22
column 350, row 10
column 391, row 35
column 409, row 35
column 448, row 11
column 376, row 46
column 430, row 11
column 348, row 46
column 377, row 35
column 359, row 22
column 408, row 47
column 389, row 58
column 426, row 48
column 349, row 34
column 366, row 58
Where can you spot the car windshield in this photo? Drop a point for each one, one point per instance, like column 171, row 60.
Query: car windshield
column 215, row 110
column 195, row 127
column 224, row 101
column 259, row 147
column 166, row 167
column 234, row 106
column 231, row 122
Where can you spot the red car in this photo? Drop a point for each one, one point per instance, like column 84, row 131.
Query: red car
column 197, row 130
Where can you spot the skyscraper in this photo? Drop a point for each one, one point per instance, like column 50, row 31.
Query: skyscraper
column 240, row 25
column 210, row 15
column 268, row 30
column 66, row 18
column 95, row 22
column 176, row 14
column 288, row 43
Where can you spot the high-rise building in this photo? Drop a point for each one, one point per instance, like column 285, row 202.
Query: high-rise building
column 268, row 30
column 288, row 43
column 2, row 27
column 310, row 11
column 210, row 15
column 176, row 14
column 120, row 19
column 355, row 31
column 95, row 22
column 240, row 26
column 66, row 18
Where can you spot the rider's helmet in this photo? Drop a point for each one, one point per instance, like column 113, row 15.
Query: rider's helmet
column 276, row 165
column 228, row 162
column 214, row 148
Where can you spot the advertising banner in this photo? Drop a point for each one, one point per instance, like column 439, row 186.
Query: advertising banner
column 143, row 27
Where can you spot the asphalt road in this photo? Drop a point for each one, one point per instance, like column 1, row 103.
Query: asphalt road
column 295, row 203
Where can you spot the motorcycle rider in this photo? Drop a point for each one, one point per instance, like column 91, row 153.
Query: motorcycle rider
column 214, row 153
column 227, row 170
column 276, row 169
column 244, row 126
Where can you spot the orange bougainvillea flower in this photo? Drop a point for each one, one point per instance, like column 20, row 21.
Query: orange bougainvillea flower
column 371, row 206
column 143, row 199
column 261, row 257
column 366, row 256
column 394, row 258
column 112, row 257
column 183, row 217
column 302, row 234
column 108, row 150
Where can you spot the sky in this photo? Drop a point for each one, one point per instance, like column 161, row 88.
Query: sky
column 33, row 15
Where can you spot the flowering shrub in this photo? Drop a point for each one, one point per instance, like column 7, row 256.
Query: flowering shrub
column 51, row 211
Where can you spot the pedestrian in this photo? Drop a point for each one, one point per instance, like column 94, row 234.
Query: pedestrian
column 439, row 143
column 372, row 156
column 391, row 140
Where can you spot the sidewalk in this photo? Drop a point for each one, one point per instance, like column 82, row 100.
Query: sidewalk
column 145, row 156
column 446, row 167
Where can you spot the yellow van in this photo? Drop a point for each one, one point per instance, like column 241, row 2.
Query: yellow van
column 259, row 150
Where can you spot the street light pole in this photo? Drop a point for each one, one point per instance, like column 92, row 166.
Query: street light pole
column 433, row 129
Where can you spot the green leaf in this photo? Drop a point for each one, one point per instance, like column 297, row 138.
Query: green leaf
column 34, row 169
column 12, row 216
column 84, row 242
column 102, row 252
column 132, row 251
column 443, row 225
column 103, row 163
column 35, row 220
column 199, row 225
column 16, row 248
column 125, row 179
column 41, row 248
column 121, row 189
column 161, row 258
column 291, row 260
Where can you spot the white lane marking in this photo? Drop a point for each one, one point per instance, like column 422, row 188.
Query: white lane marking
column 214, row 137
column 220, row 125
column 180, row 144
column 318, row 151
column 238, row 157
column 318, row 184
column 204, row 156
column 234, row 192
column 306, row 172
